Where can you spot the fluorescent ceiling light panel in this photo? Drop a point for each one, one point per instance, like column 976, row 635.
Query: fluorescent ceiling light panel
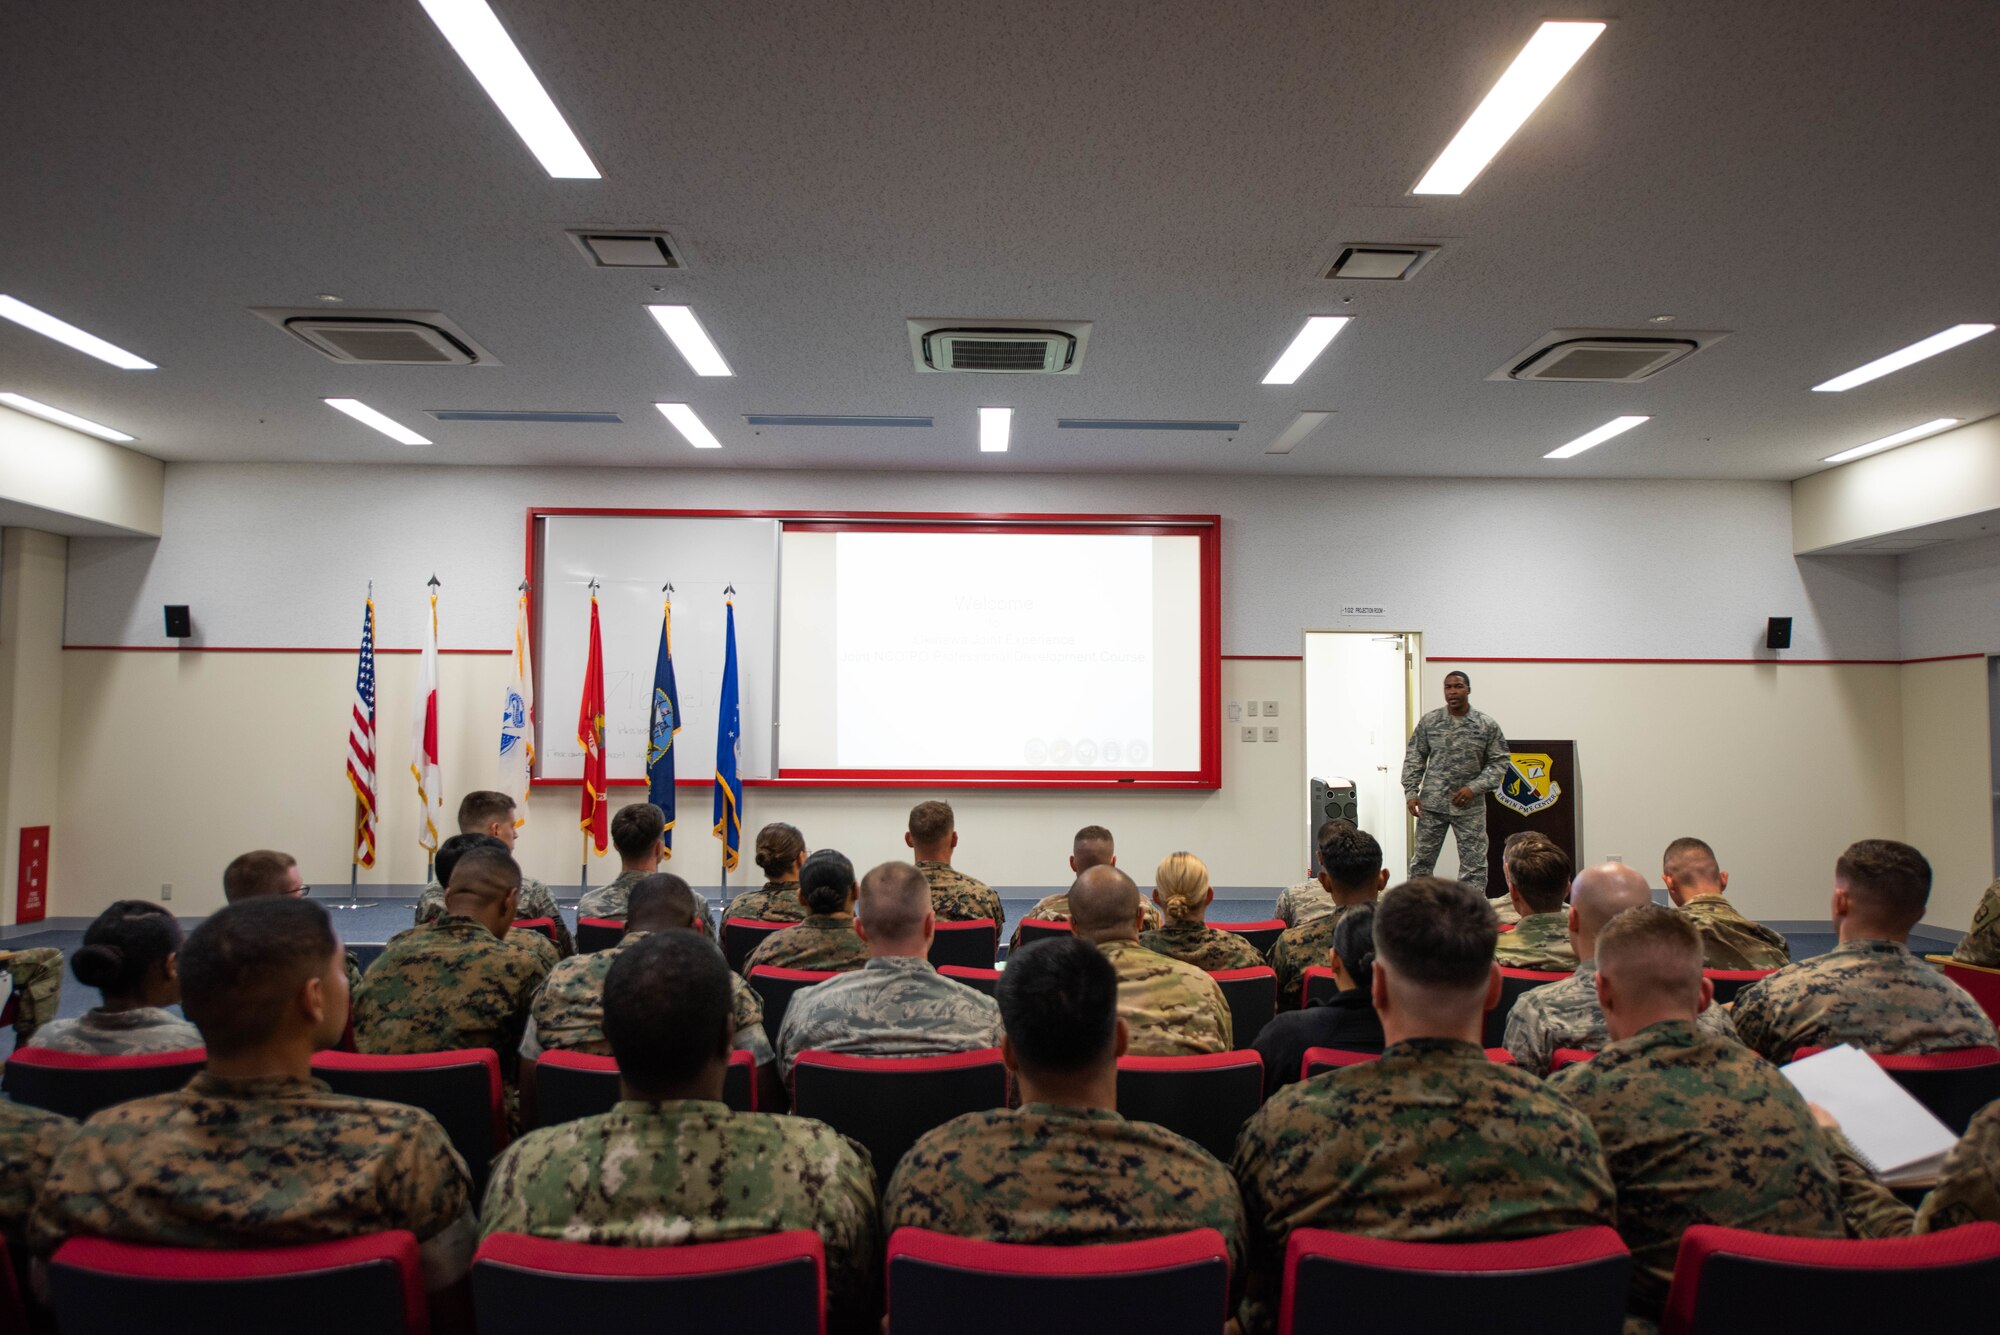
column 22, row 403
column 475, row 33
column 1910, row 356
column 1319, row 331
column 62, row 331
column 994, row 425
column 679, row 324
column 367, row 416
column 689, row 426
column 1543, row 62
column 1302, row 426
column 1617, row 426
column 1930, row 428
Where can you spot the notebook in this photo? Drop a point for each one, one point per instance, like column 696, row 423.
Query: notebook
column 1896, row 1136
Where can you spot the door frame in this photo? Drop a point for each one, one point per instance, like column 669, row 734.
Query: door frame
column 1413, row 696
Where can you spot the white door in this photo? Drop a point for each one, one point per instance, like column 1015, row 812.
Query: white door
column 1358, row 699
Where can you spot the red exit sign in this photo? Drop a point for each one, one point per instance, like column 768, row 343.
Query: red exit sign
column 31, row 904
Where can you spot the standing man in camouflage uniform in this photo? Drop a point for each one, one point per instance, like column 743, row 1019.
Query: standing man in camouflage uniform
column 1697, row 1129
column 492, row 814
column 826, row 941
column 1728, row 939
column 955, row 897
column 1981, row 945
column 1064, row 1168
column 1432, row 1142
column 781, row 855
column 1537, row 875
column 1456, row 756
column 1869, row 990
column 1092, row 847
column 1350, row 874
column 1170, row 1009
column 671, row 1163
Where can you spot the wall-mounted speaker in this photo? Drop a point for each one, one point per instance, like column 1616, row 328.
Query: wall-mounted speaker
column 180, row 624
column 1778, row 633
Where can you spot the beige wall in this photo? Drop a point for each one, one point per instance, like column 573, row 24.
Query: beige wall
column 32, row 567
column 69, row 475
column 1946, row 476
column 1948, row 782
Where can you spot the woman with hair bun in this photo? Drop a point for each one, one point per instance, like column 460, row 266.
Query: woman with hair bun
column 131, row 955
column 781, row 853
column 1181, row 889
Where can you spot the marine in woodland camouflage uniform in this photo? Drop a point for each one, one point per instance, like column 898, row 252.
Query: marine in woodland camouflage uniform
column 1210, row 949
column 1967, row 1190
column 825, row 942
column 36, row 978
column 106, row 1033
column 537, row 901
column 1731, row 941
column 1540, row 942
column 895, row 1006
column 1300, row 948
column 448, row 984
column 775, row 901
column 956, row 897
column 1981, row 945
column 1565, row 1014
column 29, row 1140
column 609, row 900
column 1448, row 752
column 1872, row 993
column 568, row 1012
column 1172, row 1009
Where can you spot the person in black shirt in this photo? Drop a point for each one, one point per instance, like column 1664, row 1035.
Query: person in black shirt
column 1346, row 1020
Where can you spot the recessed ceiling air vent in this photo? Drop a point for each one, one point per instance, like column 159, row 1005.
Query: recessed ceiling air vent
column 1391, row 262
column 382, row 338
column 627, row 248
column 999, row 347
column 1603, row 356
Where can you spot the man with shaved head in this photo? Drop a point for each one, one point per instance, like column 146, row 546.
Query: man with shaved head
column 1566, row 1014
column 1092, row 847
column 1728, row 939
column 1171, row 1008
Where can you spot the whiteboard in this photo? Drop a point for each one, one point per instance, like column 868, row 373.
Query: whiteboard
column 631, row 556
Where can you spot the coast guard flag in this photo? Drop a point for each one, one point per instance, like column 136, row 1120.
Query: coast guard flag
column 517, row 722
column 666, row 721
column 594, row 819
column 728, row 730
column 424, row 738
column 361, row 743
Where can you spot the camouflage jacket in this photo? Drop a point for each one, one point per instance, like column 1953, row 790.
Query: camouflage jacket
column 1566, row 1015
column 449, row 984
column 535, row 901
column 1209, row 949
column 1173, row 1009
column 271, row 1162
column 1446, row 754
column 1981, row 945
column 895, row 1006
column 956, row 897
column 569, row 1010
column 609, row 900
column 1300, row 904
column 119, row 1033
column 825, row 943
column 1539, row 942
column 1731, row 941
column 777, row 901
column 1060, row 1176
column 1967, row 1190
column 1307, row 946
column 1874, row 994
column 1055, row 908
column 661, row 1174
column 1700, row 1130
column 35, row 975
column 29, row 1139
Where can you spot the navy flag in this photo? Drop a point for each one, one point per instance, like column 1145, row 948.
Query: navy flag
column 666, row 721
column 728, row 731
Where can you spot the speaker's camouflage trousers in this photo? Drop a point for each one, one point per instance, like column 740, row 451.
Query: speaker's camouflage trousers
column 1468, row 823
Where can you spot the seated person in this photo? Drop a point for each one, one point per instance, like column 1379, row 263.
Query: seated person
column 29, row 1140
column 781, row 853
column 1728, row 939
column 1347, row 1020
column 34, row 981
column 1170, row 1009
column 1869, row 990
column 266, row 871
column 1566, row 1014
column 1981, row 945
column 131, row 955
column 1967, row 1190
column 1092, row 847
column 1351, row 874
column 1064, row 1168
column 1697, row 1129
column 1299, row 904
column 955, row 897
column 671, row 1163
column 1181, row 889
column 639, row 833
column 255, row 1152
column 527, row 938
column 826, row 939
column 896, row 1005
column 493, row 814
column 1537, row 885
column 1433, row 1142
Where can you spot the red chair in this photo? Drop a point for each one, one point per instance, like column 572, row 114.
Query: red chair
column 969, row 945
column 563, row 1086
column 1031, row 930
column 595, row 934
column 740, row 936
column 985, row 980
column 1575, row 1282
column 1514, row 984
column 942, row 1285
column 523, row 1285
column 1321, row 984
column 372, row 1283
column 13, row 1312
column 1729, row 1281
column 1318, row 1061
column 775, row 987
column 1728, row 982
column 78, row 1084
column 1983, row 983
column 1562, row 1057
column 887, row 1102
column 1953, row 1085
column 546, row 926
column 1261, row 934
column 1206, row 1098
column 461, row 1089
column 1252, row 995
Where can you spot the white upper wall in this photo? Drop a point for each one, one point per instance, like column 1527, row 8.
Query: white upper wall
column 1950, row 599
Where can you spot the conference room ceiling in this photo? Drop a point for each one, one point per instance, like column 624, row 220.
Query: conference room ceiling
column 1816, row 177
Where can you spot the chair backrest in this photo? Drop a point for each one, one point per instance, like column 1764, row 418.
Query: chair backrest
column 775, row 987
column 13, row 1312
column 1252, row 995
column 1983, row 983
column 372, row 1283
column 1728, row 982
column 78, row 1084
column 1321, row 984
column 1261, row 934
column 546, row 926
column 1514, row 984
column 461, row 1089
column 1729, row 1281
column 887, row 1102
column 1562, row 1057
column 986, row 980
column 563, row 1086
column 595, row 934
column 1340, row 1281
column 534, row 1286
column 1030, row 930
column 740, row 936
column 970, row 944
column 1954, row 1085
column 1320, row 1060
column 1205, row 1098
column 942, row 1285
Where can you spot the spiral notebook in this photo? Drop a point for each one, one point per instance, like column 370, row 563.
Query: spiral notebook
column 1896, row 1136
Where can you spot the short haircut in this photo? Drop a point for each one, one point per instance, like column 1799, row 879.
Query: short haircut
column 827, row 880
column 490, row 873
column 477, row 810
column 636, row 828
column 1181, row 881
column 1437, row 933
column 261, row 871
column 1652, row 951
column 1354, row 942
column 667, row 1010
column 456, row 847
column 894, row 899
column 1059, row 1004
column 1103, row 899
column 1540, row 872
column 1351, row 857
column 778, row 849
column 1519, row 837
column 1462, row 675
column 1889, row 881
column 245, row 963
column 661, row 902
column 1092, row 847
column 930, row 823
column 1690, row 859
column 126, row 942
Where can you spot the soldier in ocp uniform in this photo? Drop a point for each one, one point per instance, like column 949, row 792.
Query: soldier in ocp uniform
column 34, row 980
column 955, row 897
column 1981, row 945
column 1180, row 886
column 1538, row 888
column 492, row 814
column 781, row 855
column 1171, row 1009
column 1456, row 756
column 1728, row 939
column 826, row 940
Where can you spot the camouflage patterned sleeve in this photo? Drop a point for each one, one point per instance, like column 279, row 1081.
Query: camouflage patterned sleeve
column 1867, row 1208
column 1529, row 1039
column 1981, row 945
column 1418, row 751
column 851, row 1227
column 1968, row 1188
column 1755, row 1028
column 1494, row 768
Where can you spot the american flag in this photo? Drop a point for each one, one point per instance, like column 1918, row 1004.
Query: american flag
column 361, row 744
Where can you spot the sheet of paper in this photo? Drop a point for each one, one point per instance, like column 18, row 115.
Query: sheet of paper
column 1882, row 1120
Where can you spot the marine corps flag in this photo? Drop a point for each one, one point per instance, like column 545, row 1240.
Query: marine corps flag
column 728, row 729
column 666, row 721
column 595, row 818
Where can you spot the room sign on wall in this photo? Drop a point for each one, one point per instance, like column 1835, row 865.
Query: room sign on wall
column 1364, row 610
column 31, row 903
